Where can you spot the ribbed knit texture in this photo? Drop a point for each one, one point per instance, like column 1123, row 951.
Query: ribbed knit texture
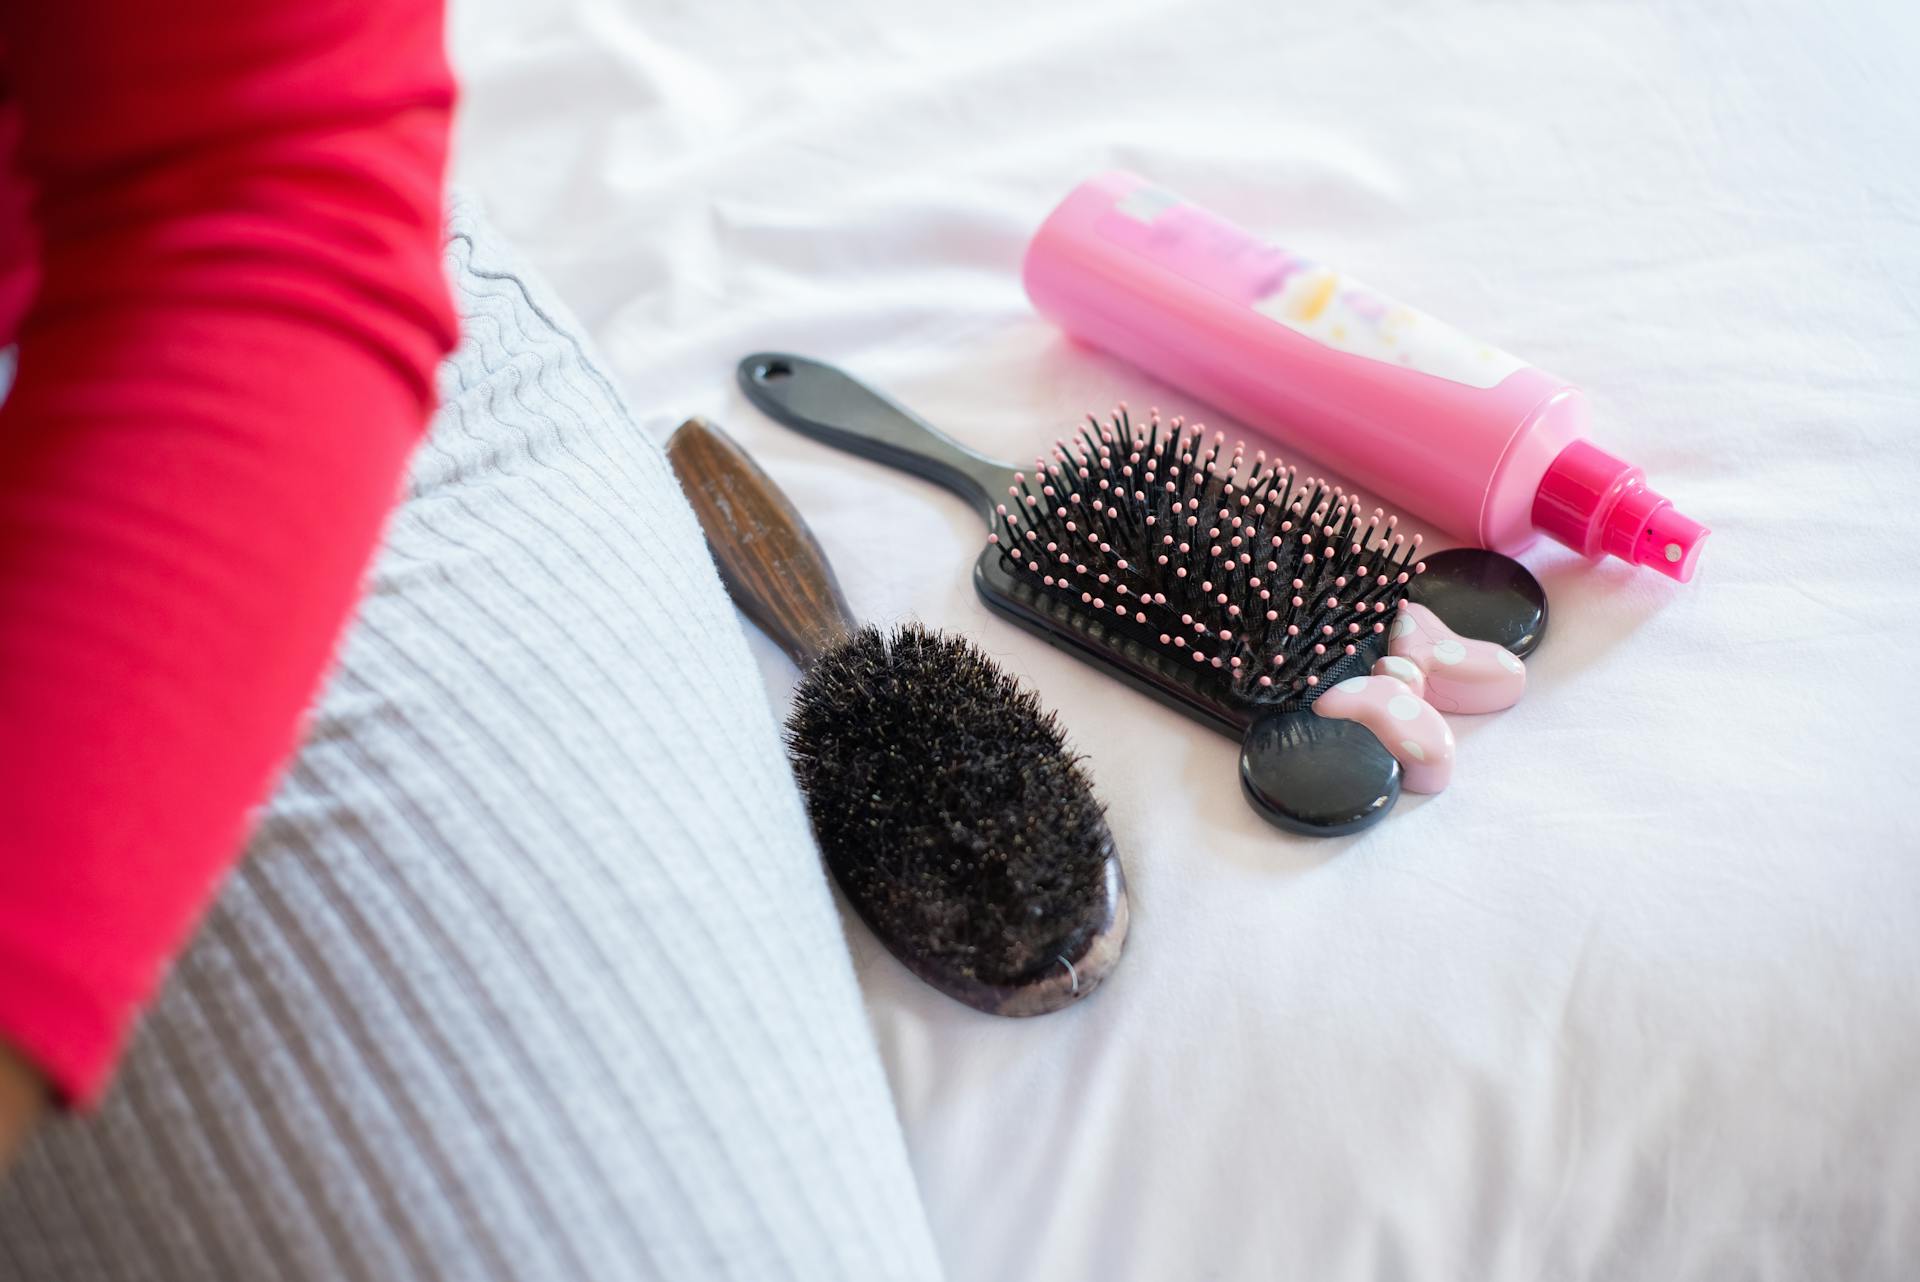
column 531, row 971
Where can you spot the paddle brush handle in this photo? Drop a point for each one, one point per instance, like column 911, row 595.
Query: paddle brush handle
column 829, row 405
column 768, row 558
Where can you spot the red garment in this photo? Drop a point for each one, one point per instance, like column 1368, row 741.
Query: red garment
column 233, row 207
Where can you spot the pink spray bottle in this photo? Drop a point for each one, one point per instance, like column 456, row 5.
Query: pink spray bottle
column 1483, row 444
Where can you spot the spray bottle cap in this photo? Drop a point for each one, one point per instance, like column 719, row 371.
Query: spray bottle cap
column 1599, row 504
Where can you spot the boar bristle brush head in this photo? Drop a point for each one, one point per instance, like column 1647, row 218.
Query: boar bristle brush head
column 949, row 807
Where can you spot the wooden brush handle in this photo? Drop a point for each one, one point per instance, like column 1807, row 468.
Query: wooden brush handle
column 768, row 558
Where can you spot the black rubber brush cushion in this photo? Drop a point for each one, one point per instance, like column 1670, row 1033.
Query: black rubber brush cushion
column 1317, row 776
column 1484, row 595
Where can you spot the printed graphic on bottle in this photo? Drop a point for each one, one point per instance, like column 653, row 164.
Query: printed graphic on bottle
column 1334, row 310
column 1349, row 317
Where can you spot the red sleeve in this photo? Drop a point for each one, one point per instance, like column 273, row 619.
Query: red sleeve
column 228, row 362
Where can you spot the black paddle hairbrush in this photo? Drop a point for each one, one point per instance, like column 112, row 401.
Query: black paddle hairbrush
column 945, row 801
column 1233, row 590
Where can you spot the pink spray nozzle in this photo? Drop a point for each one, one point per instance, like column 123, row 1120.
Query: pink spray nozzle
column 1599, row 504
column 1670, row 543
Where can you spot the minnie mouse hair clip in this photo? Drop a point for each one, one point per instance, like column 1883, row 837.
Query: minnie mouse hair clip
column 1336, row 764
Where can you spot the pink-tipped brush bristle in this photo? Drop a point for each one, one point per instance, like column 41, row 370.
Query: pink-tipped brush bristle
column 1220, row 560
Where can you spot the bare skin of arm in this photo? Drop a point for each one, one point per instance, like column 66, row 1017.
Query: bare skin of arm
column 23, row 1096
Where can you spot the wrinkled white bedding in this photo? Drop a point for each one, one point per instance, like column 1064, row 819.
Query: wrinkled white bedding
column 1640, row 995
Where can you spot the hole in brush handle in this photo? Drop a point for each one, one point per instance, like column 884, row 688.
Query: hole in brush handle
column 817, row 400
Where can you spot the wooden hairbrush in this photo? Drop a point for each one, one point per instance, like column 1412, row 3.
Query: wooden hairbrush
column 944, row 798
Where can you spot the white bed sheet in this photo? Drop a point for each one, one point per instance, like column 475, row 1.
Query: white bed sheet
column 1640, row 995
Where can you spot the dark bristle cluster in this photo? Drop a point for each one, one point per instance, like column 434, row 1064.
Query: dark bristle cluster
column 1221, row 560
column 947, row 805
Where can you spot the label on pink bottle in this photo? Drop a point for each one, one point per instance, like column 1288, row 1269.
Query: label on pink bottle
column 1333, row 310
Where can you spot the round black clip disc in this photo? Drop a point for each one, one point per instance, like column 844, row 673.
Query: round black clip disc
column 1484, row 595
column 1317, row 776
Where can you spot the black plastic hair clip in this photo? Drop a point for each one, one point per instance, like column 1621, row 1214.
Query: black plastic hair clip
column 1262, row 602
